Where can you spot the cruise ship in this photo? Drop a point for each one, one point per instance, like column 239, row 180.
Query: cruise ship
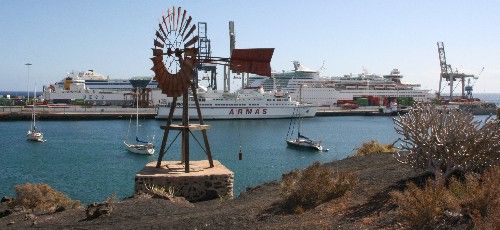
column 96, row 89
column 248, row 103
column 328, row 91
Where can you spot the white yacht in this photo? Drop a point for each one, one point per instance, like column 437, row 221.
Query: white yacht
column 249, row 103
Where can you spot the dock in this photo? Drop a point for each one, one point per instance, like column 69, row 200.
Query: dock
column 74, row 113
column 363, row 111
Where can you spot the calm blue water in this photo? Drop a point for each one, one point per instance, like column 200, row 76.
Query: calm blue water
column 87, row 160
column 490, row 97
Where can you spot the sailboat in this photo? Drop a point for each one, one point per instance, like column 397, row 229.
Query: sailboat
column 302, row 141
column 139, row 147
column 33, row 134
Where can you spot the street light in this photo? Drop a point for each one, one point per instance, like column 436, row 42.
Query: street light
column 28, row 86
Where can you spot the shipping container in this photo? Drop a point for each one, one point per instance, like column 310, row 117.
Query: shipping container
column 362, row 101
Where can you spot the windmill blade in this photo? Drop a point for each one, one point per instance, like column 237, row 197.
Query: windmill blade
column 173, row 18
column 165, row 23
column 189, row 33
column 182, row 21
column 162, row 30
column 178, row 16
column 158, row 44
column 170, row 26
column 158, row 35
column 191, row 42
column 186, row 26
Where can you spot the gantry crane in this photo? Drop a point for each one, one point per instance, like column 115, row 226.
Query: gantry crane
column 449, row 75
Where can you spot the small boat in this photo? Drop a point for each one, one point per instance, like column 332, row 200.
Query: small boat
column 33, row 134
column 305, row 142
column 301, row 141
column 146, row 148
column 139, row 147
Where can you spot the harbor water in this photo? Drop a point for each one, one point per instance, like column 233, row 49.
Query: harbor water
column 87, row 159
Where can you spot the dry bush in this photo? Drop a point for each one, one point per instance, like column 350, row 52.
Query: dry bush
column 41, row 198
column 167, row 193
column 424, row 208
column 480, row 197
column 313, row 186
column 447, row 140
column 472, row 202
column 373, row 147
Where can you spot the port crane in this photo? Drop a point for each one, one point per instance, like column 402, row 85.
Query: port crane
column 451, row 76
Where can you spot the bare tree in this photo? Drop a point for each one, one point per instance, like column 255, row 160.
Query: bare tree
column 443, row 140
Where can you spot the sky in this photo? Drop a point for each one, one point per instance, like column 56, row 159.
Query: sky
column 114, row 37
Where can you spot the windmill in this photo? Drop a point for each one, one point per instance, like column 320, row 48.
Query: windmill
column 175, row 60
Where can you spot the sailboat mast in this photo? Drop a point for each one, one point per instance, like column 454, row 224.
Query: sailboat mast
column 137, row 111
column 33, row 108
column 300, row 109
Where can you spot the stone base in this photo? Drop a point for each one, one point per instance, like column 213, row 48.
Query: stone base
column 201, row 183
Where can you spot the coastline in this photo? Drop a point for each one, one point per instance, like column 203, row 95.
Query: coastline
column 367, row 206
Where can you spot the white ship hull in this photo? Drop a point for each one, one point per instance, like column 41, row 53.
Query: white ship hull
column 213, row 113
column 330, row 96
column 327, row 91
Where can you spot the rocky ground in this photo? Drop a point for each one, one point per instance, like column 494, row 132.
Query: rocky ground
column 366, row 207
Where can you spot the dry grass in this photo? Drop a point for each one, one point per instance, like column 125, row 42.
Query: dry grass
column 373, row 147
column 474, row 202
column 167, row 193
column 313, row 186
column 41, row 198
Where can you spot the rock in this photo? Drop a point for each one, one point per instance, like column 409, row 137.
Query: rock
column 96, row 210
column 60, row 209
column 6, row 199
column 11, row 223
column 5, row 213
column 30, row 216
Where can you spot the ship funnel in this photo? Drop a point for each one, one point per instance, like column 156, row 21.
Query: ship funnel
column 296, row 65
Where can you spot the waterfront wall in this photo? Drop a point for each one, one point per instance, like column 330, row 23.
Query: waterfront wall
column 73, row 112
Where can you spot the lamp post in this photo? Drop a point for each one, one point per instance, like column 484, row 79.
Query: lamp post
column 28, row 86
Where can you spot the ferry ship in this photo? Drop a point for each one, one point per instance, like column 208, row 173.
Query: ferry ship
column 96, row 89
column 246, row 103
column 330, row 91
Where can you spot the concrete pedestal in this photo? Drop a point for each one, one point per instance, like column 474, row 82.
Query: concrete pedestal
column 201, row 183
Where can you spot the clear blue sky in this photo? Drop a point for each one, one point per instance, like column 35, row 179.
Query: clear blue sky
column 115, row 37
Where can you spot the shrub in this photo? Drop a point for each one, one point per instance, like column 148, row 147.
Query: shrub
column 424, row 208
column 476, row 199
column 372, row 147
column 447, row 140
column 41, row 198
column 313, row 186
column 167, row 193
column 480, row 197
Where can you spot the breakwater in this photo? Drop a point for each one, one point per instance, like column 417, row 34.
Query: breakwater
column 73, row 113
